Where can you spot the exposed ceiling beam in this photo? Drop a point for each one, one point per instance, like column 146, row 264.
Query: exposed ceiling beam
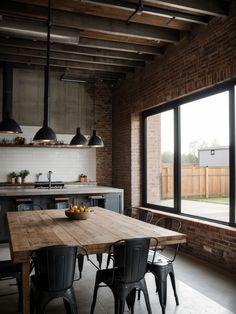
column 24, row 43
column 210, row 7
column 131, row 7
column 81, row 74
column 126, row 47
column 94, row 23
column 65, row 64
column 111, row 26
column 37, row 31
column 94, row 47
column 69, row 57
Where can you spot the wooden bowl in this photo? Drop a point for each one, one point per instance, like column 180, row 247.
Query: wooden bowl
column 78, row 216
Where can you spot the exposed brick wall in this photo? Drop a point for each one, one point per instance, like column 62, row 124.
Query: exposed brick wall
column 206, row 58
column 199, row 61
column 103, row 123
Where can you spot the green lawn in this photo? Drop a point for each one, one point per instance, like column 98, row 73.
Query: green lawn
column 217, row 200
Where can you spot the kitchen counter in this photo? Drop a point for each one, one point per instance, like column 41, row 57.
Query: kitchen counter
column 68, row 189
column 88, row 194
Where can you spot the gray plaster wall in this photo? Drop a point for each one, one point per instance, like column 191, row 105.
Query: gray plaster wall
column 71, row 104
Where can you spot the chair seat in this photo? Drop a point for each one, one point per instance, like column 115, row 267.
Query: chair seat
column 159, row 259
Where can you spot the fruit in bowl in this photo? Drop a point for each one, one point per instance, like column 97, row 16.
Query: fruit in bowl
column 78, row 213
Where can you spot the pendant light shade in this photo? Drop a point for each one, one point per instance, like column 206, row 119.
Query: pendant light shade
column 8, row 125
column 46, row 134
column 95, row 140
column 79, row 139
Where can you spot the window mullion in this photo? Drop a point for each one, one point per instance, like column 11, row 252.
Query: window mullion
column 177, row 161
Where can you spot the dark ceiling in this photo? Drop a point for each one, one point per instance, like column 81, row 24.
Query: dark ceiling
column 99, row 39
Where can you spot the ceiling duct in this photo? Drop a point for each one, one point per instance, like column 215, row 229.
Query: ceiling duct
column 37, row 31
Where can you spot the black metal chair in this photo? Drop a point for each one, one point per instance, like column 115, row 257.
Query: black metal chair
column 129, row 258
column 144, row 215
column 8, row 270
column 54, row 275
column 28, row 207
column 162, row 266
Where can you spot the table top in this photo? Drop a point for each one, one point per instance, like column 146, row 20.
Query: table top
column 31, row 230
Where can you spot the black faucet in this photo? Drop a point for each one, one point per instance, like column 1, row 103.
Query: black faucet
column 49, row 179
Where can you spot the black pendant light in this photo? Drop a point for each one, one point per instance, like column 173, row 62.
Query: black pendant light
column 8, row 125
column 95, row 140
column 46, row 134
column 79, row 139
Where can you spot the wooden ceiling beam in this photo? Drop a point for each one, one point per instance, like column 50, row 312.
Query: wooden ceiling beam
column 120, row 46
column 65, row 63
column 76, row 73
column 90, row 22
column 27, row 52
column 131, row 7
column 89, row 47
column 211, row 7
column 111, row 26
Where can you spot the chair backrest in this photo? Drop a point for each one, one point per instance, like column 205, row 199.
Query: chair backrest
column 169, row 223
column 27, row 207
column 145, row 215
column 55, row 266
column 130, row 258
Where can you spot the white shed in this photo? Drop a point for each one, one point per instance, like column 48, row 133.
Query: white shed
column 214, row 156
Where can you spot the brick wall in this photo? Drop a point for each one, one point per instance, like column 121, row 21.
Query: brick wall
column 203, row 59
column 103, row 124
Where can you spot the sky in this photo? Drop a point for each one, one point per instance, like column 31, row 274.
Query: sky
column 202, row 120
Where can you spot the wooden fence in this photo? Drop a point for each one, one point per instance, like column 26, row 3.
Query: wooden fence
column 197, row 182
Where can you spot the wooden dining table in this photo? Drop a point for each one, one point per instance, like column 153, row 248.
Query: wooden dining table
column 31, row 230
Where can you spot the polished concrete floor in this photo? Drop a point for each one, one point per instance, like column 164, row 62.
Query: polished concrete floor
column 202, row 289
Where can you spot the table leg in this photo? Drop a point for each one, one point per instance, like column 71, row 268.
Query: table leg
column 26, row 287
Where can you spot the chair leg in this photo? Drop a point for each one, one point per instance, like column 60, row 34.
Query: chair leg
column 156, row 281
column 117, row 306
column 80, row 264
column 139, row 294
column 146, row 297
column 95, row 292
column 172, row 278
column 70, row 301
column 162, row 291
column 130, row 300
column 121, row 306
column 99, row 259
column 19, row 286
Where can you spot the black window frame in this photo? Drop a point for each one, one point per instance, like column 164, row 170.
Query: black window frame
column 229, row 86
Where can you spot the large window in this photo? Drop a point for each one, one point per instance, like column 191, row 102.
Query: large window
column 189, row 155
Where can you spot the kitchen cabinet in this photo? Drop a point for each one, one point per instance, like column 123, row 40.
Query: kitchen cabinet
column 113, row 202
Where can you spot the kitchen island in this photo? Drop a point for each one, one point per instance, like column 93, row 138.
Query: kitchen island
column 88, row 194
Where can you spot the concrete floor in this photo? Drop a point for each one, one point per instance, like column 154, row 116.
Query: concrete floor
column 202, row 289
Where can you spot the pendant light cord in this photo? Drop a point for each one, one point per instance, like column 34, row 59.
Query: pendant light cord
column 47, row 68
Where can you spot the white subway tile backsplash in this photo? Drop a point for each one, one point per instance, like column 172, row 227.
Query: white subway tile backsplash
column 65, row 163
